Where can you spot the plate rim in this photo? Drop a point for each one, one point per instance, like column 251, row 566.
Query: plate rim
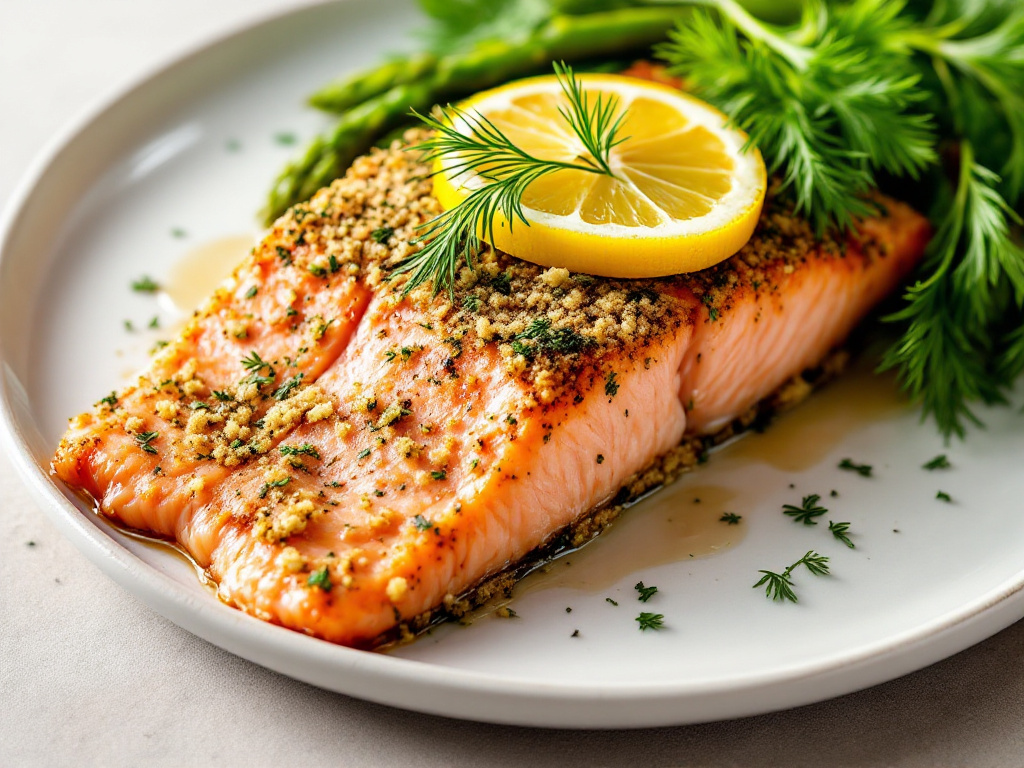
column 482, row 696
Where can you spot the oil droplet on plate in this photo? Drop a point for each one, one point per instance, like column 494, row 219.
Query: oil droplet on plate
column 194, row 277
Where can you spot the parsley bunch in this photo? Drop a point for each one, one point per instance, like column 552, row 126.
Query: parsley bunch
column 894, row 94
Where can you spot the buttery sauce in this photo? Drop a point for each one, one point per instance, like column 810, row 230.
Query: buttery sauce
column 193, row 278
column 802, row 438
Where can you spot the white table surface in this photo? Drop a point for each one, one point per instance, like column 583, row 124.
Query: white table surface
column 89, row 676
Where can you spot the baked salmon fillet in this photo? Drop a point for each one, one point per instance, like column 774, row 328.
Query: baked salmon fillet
column 346, row 460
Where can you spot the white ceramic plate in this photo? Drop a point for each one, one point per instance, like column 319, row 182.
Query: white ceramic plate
column 192, row 147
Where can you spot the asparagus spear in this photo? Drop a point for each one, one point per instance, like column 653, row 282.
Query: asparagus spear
column 376, row 101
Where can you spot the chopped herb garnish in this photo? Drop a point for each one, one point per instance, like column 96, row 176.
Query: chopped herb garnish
column 128, row 326
column 178, row 233
column 286, row 388
column 285, row 138
column 840, row 531
column 600, row 458
column 730, row 518
column 779, row 586
column 864, row 470
column 224, row 397
column 198, row 405
column 502, row 283
column 320, row 578
column 939, row 462
column 265, row 489
column 110, row 400
column 438, row 474
column 382, row 234
column 421, row 523
column 807, row 511
column 155, row 322
column 378, row 492
column 158, row 345
column 611, row 387
column 646, row 593
column 943, row 496
column 650, row 621
column 284, row 255
column 575, row 633
column 145, row 439
column 255, row 363
column 306, row 449
column 253, row 290
column 145, row 284
column 609, row 600
column 317, row 271
column 471, row 303
column 332, row 263
column 363, row 453
column 236, row 443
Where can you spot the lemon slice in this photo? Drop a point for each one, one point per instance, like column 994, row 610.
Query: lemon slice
column 684, row 196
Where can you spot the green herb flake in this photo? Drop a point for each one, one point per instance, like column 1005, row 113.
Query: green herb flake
column 611, row 386
column 943, row 496
column 145, row 441
column 807, row 511
column 841, row 532
column 224, row 397
column 730, row 518
column 646, row 593
column 155, row 322
column 286, row 388
column 421, row 523
column 306, row 449
column 110, row 400
column 779, row 586
column 864, row 470
column 439, row 474
column 652, row 621
column 382, row 234
column 939, row 462
column 253, row 290
column 363, row 453
column 609, row 600
column 320, row 578
column 178, row 233
column 285, row 138
column 600, row 458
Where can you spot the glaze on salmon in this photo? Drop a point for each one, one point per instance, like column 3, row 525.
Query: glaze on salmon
column 343, row 459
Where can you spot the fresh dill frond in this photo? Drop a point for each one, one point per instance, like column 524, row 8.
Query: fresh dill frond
column 650, row 621
column 779, row 586
column 841, row 531
column 864, row 470
column 939, row 462
column 807, row 511
column 504, row 171
column 730, row 518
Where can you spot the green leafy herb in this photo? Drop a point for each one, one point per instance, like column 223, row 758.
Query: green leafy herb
column 253, row 290
column 285, row 138
column 306, row 449
column 731, row 518
column 469, row 142
column 609, row 600
column 939, row 462
column 841, row 531
column 421, row 523
column 363, row 453
column 382, row 234
column 438, row 474
column 110, row 400
column 286, row 388
column 145, row 441
column 650, row 621
column 865, row 89
column 779, row 586
column 807, row 511
column 864, row 470
column 611, row 387
column 224, row 397
column 320, row 578
column 155, row 322
column 943, row 496
column 145, row 284
column 255, row 363
column 646, row 593
column 265, row 488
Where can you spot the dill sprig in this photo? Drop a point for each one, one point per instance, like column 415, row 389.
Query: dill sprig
column 807, row 511
column 505, row 171
column 779, row 586
column 862, row 91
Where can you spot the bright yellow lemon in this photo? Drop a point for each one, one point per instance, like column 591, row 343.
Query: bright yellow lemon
column 684, row 196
